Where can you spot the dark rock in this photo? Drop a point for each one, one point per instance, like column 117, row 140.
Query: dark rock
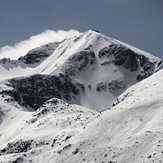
column 95, row 30
column 67, row 147
column 76, row 151
column 68, row 137
column 116, row 84
column 101, row 86
column 159, row 66
column 147, row 69
column 37, row 89
column 18, row 160
column 126, row 58
column 111, row 86
column 160, row 63
column 106, row 51
column 123, row 56
column 17, row 147
column 38, row 54
column 79, row 62
column 149, row 156
column 53, row 143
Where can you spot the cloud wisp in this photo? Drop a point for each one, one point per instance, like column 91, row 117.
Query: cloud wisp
column 21, row 48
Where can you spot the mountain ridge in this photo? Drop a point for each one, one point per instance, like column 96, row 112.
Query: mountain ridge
column 85, row 99
column 96, row 67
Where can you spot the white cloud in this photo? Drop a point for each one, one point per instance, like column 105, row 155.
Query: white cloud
column 21, row 48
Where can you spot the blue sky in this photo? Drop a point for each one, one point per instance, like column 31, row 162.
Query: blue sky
column 137, row 22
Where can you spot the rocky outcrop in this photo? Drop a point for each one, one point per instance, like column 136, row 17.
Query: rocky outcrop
column 17, row 147
column 78, row 62
column 121, row 56
column 130, row 60
column 37, row 89
column 38, row 54
column 112, row 86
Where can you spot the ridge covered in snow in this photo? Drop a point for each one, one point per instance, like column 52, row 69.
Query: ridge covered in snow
column 85, row 99
column 82, row 70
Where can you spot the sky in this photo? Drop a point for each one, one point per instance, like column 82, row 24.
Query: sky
column 136, row 22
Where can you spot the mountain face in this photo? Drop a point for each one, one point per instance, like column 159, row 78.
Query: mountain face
column 91, row 70
column 38, row 54
column 85, row 99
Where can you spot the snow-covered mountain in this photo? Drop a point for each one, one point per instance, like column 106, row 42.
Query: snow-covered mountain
column 51, row 101
column 91, row 70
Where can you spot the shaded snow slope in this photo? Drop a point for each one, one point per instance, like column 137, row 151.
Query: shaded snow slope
column 91, row 70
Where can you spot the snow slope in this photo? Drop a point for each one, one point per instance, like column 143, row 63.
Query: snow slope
column 96, row 68
column 58, row 132
column 44, row 97
column 24, row 133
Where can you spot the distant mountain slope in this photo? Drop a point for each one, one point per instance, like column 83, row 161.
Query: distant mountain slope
column 91, row 70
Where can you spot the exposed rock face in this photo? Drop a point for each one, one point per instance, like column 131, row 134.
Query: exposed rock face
column 5, row 61
column 38, row 54
column 40, row 121
column 78, row 70
column 112, row 86
column 116, row 85
column 159, row 65
column 79, row 62
column 37, row 89
column 122, row 56
column 17, row 147
column 132, row 61
column 147, row 68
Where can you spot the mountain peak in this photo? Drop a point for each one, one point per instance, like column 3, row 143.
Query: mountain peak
column 82, row 70
column 51, row 102
column 92, row 31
